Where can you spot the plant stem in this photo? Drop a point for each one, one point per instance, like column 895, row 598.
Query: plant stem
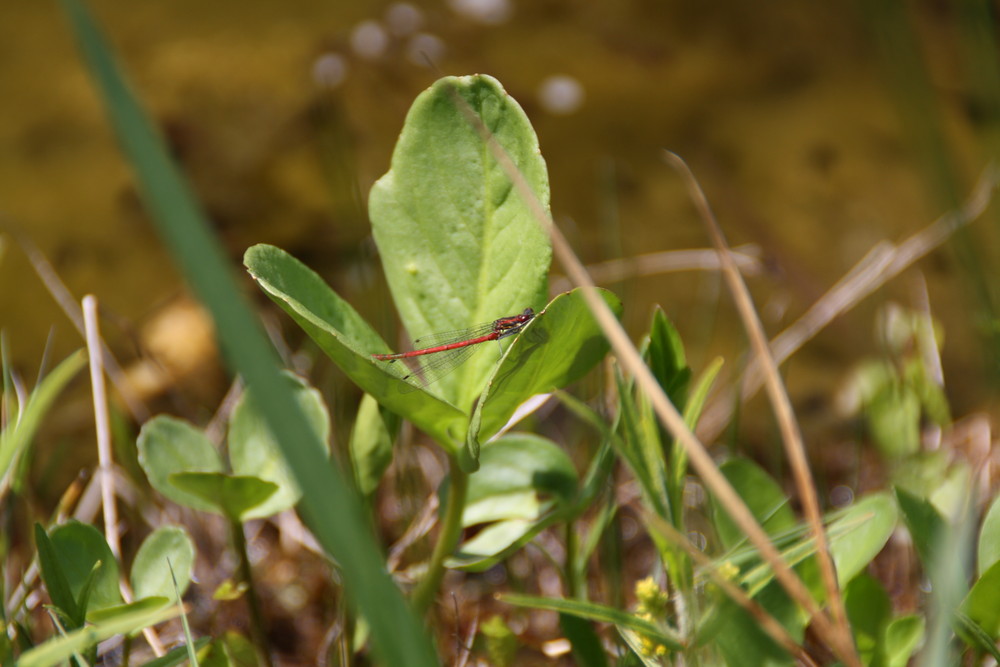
column 257, row 629
column 451, row 529
column 572, row 575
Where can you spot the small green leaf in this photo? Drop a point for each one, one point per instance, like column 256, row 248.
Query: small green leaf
column 254, row 452
column 981, row 603
column 763, row 496
column 902, row 637
column 976, row 636
column 124, row 610
column 168, row 445
column 56, row 581
column 666, row 360
column 926, row 526
column 501, row 642
column 524, row 484
column 230, row 650
column 645, row 460
column 79, row 547
column 894, row 417
column 587, row 648
column 458, row 244
column 165, row 547
column 860, row 533
column 371, row 444
column 869, row 611
column 230, row 495
column 989, row 539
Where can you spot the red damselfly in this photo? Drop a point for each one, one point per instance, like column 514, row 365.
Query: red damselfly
column 443, row 352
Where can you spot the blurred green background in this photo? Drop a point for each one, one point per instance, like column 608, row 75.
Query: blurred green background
column 816, row 129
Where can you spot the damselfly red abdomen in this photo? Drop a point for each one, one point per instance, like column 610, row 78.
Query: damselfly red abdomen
column 444, row 352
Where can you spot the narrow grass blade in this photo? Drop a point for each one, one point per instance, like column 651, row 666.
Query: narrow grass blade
column 329, row 506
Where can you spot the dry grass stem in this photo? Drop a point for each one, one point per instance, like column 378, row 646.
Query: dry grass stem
column 747, row 258
column 882, row 263
column 767, row 622
column 630, row 359
column 64, row 299
column 791, row 436
column 103, row 424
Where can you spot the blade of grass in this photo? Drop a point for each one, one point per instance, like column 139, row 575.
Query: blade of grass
column 330, row 507
column 791, row 436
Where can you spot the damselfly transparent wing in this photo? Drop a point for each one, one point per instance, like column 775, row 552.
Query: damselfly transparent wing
column 429, row 368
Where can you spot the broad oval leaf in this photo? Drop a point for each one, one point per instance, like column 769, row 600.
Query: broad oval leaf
column 459, row 246
column 168, row 445
column 166, row 548
column 254, row 452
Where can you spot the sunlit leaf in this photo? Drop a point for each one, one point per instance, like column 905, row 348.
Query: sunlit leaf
column 458, row 244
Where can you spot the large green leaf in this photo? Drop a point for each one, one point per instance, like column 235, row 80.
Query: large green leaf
column 458, row 244
column 169, row 445
column 349, row 341
column 253, row 451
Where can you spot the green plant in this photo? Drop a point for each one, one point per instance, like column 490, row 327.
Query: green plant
column 183, row 465
column 463, row 238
